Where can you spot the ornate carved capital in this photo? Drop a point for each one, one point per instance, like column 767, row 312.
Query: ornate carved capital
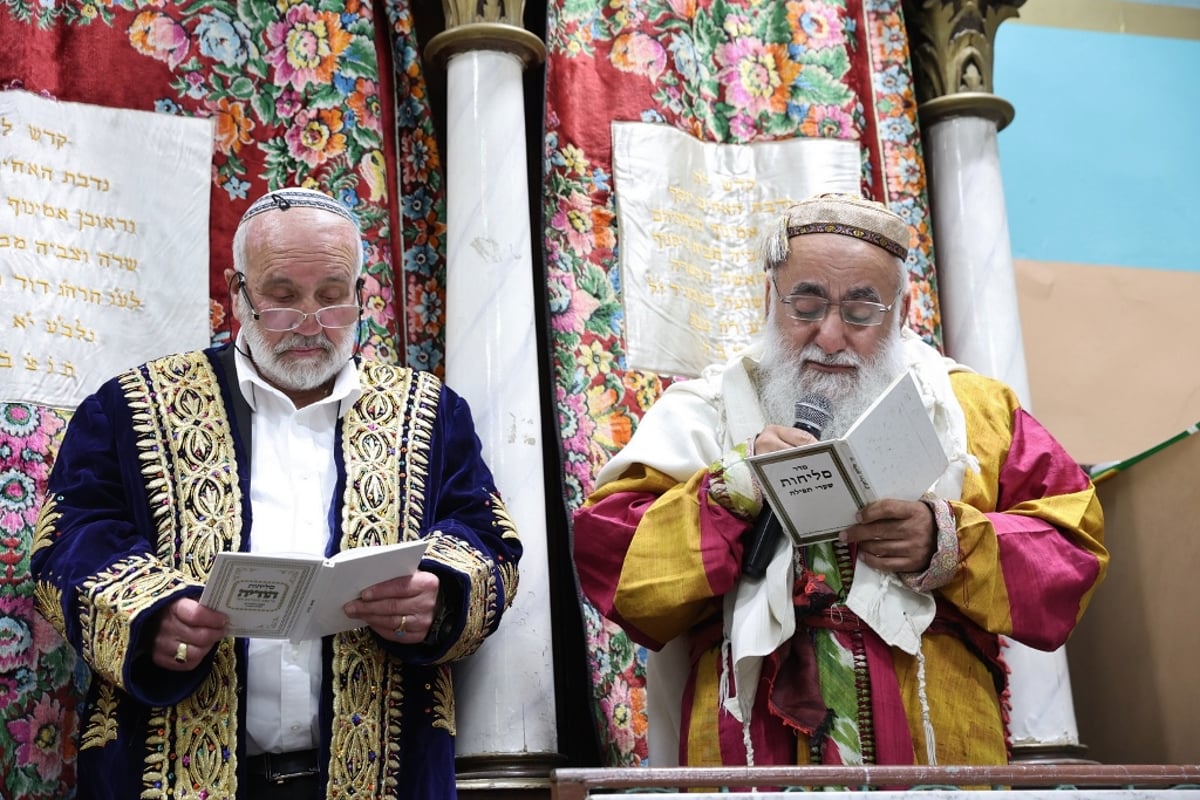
column 951, row 42
column 485, row 25
column 464, row 12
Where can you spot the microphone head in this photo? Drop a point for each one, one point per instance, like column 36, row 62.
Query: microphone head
column 813, row 414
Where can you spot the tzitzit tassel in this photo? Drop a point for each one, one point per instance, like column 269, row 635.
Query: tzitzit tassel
column 930, row 740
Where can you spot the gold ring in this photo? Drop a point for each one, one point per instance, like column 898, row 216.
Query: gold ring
column 400, row 627
column 181, row 653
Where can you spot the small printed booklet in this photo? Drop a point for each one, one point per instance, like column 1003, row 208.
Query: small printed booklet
column 297, row 596
column 891, row 451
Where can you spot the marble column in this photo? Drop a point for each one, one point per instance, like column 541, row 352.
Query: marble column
column 951, row 44
column 507, row 730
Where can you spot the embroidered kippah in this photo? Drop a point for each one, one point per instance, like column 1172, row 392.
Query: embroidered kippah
column 850, row 215
column 283, row 199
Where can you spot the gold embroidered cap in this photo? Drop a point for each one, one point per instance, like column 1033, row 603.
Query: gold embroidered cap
column 283, row 199
column 850, row 215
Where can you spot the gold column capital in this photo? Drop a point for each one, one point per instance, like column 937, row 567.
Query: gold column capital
column 951, row 42
column 485, row 25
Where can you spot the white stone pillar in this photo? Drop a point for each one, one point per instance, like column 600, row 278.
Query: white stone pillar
column 982, row 329
column 507, row 730
column 977, row 289
column 951, row 42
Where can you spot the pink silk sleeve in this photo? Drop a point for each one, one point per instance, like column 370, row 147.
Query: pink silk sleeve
column 1030, row 527
column 1050, row 550
column 656, row 562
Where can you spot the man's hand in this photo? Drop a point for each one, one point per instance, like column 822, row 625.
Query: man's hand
column 186, row 631
column 400, row 609
column 894, row 535
column 780, row 437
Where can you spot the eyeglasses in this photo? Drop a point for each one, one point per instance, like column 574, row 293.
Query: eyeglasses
column 813, row 308
column 279, row 320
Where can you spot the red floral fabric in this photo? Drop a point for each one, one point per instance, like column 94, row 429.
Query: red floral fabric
column 728, row 71
column 329, row 95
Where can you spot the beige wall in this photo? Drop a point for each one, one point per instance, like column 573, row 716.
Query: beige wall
column 1112, row 354
column 1133, row 659
column 1113, row 16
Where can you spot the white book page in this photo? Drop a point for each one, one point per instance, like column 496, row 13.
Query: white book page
column 348, row 573
column 297, row 596
column 894, row 447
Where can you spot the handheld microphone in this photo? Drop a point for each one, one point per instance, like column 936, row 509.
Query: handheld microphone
column 812, row 415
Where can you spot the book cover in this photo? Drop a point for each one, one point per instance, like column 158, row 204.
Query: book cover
column 891, row 451
column 298, row 596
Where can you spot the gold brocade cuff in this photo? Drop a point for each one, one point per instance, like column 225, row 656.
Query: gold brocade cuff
column 943, row 566
column 485, row 600
column 112, row 601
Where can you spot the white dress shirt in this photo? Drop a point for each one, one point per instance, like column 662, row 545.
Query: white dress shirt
column 292, row 478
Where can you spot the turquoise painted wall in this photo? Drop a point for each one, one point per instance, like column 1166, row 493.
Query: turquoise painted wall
column 1102, row 163
column 1176, row 3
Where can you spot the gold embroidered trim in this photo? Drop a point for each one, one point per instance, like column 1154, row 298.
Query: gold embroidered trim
column 394, row 722
column 108, row 604
column 46, row 530
column 443, row 694
column 189, row 468
column 386, row 441
column 361, row 758
column 481, row 612
column 205, row 726
column 423, row 414
column 188, row 460
column 101, row 726
column 155, row 778
column 504, row 520
column 48, row 600
column 509, row 576
column 487, row 598
column 374, row 448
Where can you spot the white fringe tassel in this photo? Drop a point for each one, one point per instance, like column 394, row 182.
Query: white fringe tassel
column 930, row 740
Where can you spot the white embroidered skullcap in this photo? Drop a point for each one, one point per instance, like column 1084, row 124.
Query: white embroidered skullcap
column 283, row 199
column 850, row 215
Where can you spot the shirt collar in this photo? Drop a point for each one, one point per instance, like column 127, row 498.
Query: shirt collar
column 346, row 385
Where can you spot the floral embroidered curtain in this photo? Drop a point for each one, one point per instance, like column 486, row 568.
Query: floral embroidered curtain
column 323, row 94
column 727, row 71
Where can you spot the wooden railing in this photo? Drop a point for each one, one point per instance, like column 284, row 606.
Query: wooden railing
column 1078, row 780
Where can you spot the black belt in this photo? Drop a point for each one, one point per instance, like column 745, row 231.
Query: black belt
column 283, row 767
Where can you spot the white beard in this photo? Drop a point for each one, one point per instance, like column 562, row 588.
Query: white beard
column 782, row 380
column 295, row 377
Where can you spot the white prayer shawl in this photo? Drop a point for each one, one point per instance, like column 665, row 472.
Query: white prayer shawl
column 707, row 417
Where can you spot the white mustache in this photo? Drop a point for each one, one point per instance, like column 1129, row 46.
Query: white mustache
column 297, row 340
column 845, row 358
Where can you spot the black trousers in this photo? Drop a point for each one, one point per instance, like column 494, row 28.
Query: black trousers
column 289, row 776
column 306, row 788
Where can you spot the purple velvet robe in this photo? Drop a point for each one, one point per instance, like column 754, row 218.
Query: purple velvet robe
column 153, row 479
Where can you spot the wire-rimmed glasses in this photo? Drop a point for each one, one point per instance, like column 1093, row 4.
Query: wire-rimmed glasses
column 280, row 320
column 813, row 308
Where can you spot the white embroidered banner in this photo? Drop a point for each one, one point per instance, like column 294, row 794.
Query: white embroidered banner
column 690, row 216
column 103, row 243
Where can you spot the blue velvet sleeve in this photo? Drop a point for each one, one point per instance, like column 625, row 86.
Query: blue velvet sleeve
column 100, row 581
column 474, row 546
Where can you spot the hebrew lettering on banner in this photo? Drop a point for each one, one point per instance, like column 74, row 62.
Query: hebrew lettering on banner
column 103, row 243
column 691, row 216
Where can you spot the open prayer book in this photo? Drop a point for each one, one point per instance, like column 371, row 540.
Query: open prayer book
column 891, row 451
column 297, row 596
